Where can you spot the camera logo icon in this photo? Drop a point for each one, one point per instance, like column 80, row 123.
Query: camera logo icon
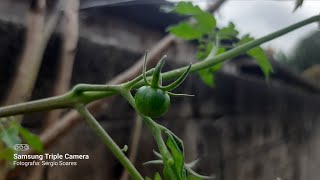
column 21, row 147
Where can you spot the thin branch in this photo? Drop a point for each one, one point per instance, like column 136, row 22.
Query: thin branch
column 114, row 148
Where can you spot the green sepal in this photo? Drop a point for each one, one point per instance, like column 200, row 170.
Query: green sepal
column 144, row 69
column 156, row 78
column 176, row 83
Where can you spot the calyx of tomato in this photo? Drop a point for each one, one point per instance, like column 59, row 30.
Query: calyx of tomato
column 156, row 80
column 153, row 99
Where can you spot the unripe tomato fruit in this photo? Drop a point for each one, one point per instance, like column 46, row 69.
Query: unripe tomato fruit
column 152, row 102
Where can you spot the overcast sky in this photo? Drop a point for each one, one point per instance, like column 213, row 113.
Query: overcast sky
column 260, row 17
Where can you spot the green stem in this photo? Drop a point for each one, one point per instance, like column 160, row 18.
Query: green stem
column 117, row 152
column 214, row 60
column 138, row 78
column 157, row 134
column 86, row 97
column 95, row 87
column 63, row 101
column 58, row 102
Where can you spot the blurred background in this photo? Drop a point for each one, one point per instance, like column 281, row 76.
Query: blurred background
column 243, row 127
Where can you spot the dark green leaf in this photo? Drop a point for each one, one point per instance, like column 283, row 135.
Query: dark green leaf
column 185, row 31
column 187, row 8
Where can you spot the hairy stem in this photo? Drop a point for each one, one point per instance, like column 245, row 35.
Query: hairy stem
column 117, row 152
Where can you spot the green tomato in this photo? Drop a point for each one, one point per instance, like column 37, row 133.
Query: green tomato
column 152, row 102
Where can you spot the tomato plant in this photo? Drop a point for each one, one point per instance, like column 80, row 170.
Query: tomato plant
column 152, row 98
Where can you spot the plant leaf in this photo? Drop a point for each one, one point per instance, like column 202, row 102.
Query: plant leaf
column 185, row 31
column 157, row 176
column 177, row 154
column 259, row 55
column 7, row 154
column 187, row 8
column 207, row 77
column 228, row 33
column 205, row 22
column 10, row 136
column 204, row 50
column 31, row 139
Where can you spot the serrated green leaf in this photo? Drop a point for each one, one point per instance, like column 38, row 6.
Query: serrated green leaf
column 185, row 31
column 205, row 22
column 259, row 55
column 31, row 139
column 187, row 8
